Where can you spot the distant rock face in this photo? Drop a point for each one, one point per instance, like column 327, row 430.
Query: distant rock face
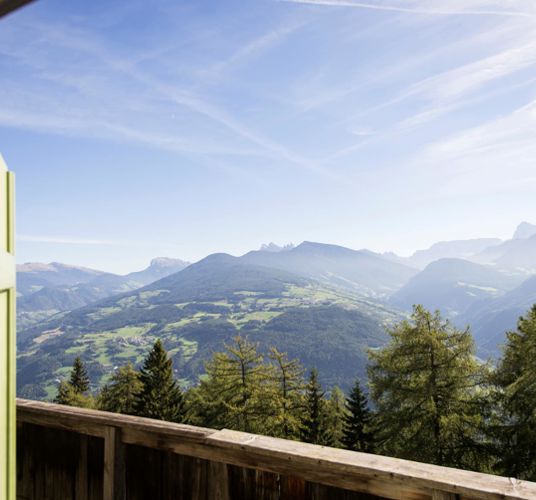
column 272, row 247
column 168, row 262
column 524, row 230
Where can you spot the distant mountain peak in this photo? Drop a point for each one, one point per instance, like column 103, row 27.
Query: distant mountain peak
column 524, row 231
column 29, row 267
column 272, row 247
column 167, row 262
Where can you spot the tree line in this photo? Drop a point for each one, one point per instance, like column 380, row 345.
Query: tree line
column 431, row 399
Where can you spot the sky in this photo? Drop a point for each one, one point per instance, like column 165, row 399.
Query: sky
column 192, row 127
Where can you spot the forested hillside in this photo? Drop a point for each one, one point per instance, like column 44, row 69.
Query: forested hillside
column 194, row 312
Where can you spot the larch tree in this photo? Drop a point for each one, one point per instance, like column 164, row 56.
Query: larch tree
column 428, row 388
column 515, row 379
column 120, row 395
column 160, row 396
column 288, row 391
column 237, row 391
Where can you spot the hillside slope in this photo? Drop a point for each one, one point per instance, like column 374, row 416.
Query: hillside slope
column 198, row 309
column 361, row 271
column 452, row 286
column 64, row 293
column 492, row 318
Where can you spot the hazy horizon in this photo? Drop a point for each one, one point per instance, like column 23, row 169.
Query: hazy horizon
column 193, row 128
column 117, row 268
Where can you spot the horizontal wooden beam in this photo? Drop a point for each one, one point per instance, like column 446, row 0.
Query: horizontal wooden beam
column 373, row 474
column 7, row 6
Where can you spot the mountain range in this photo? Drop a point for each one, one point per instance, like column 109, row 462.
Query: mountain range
column 48, row 289
column 324, row 304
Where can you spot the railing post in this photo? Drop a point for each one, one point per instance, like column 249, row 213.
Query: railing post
column 81, row 473
column 114, row 465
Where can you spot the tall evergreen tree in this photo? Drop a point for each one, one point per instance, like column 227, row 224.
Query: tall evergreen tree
column 120, row 395
column 516, row 381
column 335, row 415
column 79, row 378
column 313, row 419
column 288, row 392
column 238, row 392
column 426, row 385
column 358, row 433
column 75, row 391
column 160, row 396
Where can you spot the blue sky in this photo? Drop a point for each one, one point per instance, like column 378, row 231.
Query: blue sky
column 199, row 126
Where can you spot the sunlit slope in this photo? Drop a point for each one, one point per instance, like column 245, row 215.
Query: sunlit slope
column 49, row 289
column 195, row 311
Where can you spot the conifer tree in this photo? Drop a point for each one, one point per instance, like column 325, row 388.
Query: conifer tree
column 75, row 391
column 335, row 414
column 65, row 394
column 160, row 396
column 238, row 392
column 288, row 392
column 313, row 420
column 120, row 395
column 516, row 381
column 79, row 378
column 358, row 434
column 427, row 387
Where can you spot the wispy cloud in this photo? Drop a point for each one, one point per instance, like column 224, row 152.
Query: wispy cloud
column 157, row 96
column 251, row 50
column 412, row 10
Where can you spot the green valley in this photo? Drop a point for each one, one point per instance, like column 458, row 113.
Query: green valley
column 194, row 312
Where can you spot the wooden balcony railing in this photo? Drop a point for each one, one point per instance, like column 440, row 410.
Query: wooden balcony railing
column 72, row 453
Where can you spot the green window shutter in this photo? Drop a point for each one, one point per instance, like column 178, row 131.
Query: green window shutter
column 7, row 334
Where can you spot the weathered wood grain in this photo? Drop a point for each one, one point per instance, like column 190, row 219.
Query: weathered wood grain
column 114, row 465
column 164, row 461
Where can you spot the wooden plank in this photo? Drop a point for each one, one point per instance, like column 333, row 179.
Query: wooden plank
column 443, row 495
column 373, row 474
column 93, row 422
column 369, row 474
column 114, row 465
column 82, row 488
column 218, row 481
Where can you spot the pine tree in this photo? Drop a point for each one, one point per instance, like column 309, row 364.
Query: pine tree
column 79, row 378
column 313, row 420
column 358, row 434
column 516, row 382
column 427, row 387
column 160, row 396
column 288, row 395
column 120, row 394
